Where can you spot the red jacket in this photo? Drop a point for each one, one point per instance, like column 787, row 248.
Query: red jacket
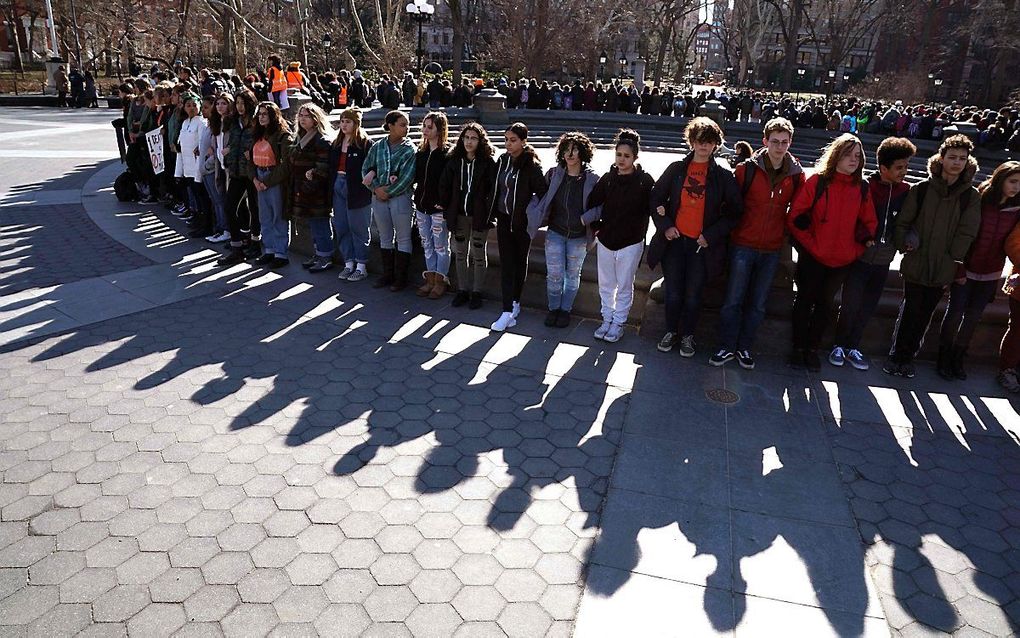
column 987, row 254
column 838, row 221
column 762, row 226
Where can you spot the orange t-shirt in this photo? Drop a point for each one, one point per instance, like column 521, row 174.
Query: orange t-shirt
column 690, row 214
column 262, row 154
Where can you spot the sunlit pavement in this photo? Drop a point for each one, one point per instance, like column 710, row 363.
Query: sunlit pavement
column 204, row 451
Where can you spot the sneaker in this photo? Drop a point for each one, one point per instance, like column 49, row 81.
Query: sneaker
column 600, row 332
column 265, row 260
column 907, row 370
column 745, row 359
column 230, row 259
column 892, row 368
column 218, row 238
column 308, row 263
column 506, row 320
column 198, row 233
column 517, row 309
column 357, row 275
column 252, row 251
column 278, row 262
column 687, row 346
column 721, row 358
column 345, row 273
column 812, row 361
column 322, row 265
column 667, row 342
column 614, row 334
column 551, row 318
column 476, row 301
column 460, row 298
column 857, row 359
column 1009, row 381
column 563, row 319
column 837, row 357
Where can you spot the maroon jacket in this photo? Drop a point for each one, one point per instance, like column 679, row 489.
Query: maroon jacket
column 988, row 252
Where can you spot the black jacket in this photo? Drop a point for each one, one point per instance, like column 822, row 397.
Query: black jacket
column 428, row 167
column 624, row 200
column 466, row 189
column 358, row 195
column 723, row 207
column 527, row 182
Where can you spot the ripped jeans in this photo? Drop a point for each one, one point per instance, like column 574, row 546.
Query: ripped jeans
column 563, row 260
column 435, row 239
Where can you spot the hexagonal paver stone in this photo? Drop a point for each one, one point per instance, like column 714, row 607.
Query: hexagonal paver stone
column 355, row 553
column 520, row 585
column 193, row 552
column 433, row 620
column 227, row 568
column 120, row 603
column 81, row 536
column 56, row 568
column 435, row 585
column 275, row 552
column 559, row 569
column 394, row 569
column 241, row 537
column 263, row 585
column 175, row 585
column 29, row 603
column 296, row 498
column 162, row 537
column 473, row 569
column 329, row 511
column 349, row 586
column 27, row 551
column 319, row 539
column 345, row 620
column 479, row 602
column 158, row 619
column 286, row 523
column 524, row 619
column 398, row 539
column 211, row 603
column 209, row 523
column 437, row 553
column 253, row 510
column 517, row 553
column 300, row 604
column 249, row 620
column 88, row 585
column 62, row 620
column 561, row 601
column 111, row 552
column 311, row 569
column 390, row 604
column 362, row 524
column 479, row 630
column 53, row 522
column 142, row 568
column 438, row 525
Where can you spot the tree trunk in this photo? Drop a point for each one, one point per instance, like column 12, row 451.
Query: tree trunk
column 457, row 22
column 792, row 44
column 660, row 57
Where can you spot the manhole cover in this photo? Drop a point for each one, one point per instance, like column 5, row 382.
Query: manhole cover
column 721, row 395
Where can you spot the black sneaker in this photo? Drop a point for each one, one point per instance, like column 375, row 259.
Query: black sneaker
column 721, row 358
column 551, row 318
column 563, row 320
column 892, row 368
column 308, row 263
column 687, row 349
column 745, row 359
column 476, row 301
column 252, row 251
column 265, row 260
column 278, row 262
column 230, row 259
column 812, row 361
column 460, row 298
column 907, row 370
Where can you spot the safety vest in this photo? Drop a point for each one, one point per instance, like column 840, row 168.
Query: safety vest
column 279, row 82
column 294, row 80
column 341, row 97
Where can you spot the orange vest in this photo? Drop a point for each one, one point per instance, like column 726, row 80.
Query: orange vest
column 279, row 82
column 341, row 98
column 294, row 80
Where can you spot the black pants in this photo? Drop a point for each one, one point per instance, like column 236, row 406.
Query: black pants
column 202, row 202
column 967, row 302
column 684, row 272
column 918, row 305
column 861, row 293
column 242, row 210
column 817, row 285
column 514, row 244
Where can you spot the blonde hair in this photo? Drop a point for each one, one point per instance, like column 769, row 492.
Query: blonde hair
column 836, row 149
column 321, row 123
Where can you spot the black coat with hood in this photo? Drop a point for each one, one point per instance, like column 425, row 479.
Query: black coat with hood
column 527, row 183
column 465, row 188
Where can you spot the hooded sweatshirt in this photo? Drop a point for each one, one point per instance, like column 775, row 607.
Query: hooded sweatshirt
column 840, row 220
column 944, row 231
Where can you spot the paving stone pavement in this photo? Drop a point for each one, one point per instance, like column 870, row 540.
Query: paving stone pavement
column 251, row 454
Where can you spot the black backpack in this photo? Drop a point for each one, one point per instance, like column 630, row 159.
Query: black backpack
column 922, row 190
column 124, row 187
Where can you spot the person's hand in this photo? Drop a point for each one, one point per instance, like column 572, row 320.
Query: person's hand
column 226, row 150
column 381, row 194
column 196, row 153
column 259, row 186
column 869, row 243
column 247, row 155
column 672, row 233
column 702, row 241
column 661, row 210
column 367, row 181
column 310, row 174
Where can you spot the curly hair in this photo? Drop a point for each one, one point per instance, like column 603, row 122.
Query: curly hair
column 835, row 150
column 956, row 141
column 578, row 140
column 893, row 149
column 485, row 149
column 276, row 124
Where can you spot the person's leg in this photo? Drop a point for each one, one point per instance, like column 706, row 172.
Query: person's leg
column 862, row 302
column 694, row 287
column 959, row 299
column 576, row 250
column 341, row 224
column 608, row 285
column 919, row 304
column 478, row 259
column 322, row 237
column 461, row 242
column 441, row 245
column 742, row 265
column 383, row 222
column 810, row 276
column 217, row 196
column 265, row 213
column 555, row 267
column 673, row 275
column 522, row 245
column 759, row 287
column 982, row 294
column 824, row 304
column 507, row 264
column 255, row 221
column 235, row 197
column 627, row 261
column 400, row 210
column 360, row 221
column 1009, row 349
column 424, row 222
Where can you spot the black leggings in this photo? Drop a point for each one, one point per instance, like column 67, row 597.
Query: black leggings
column 514, row 245
column 242, row 210
column 817, row 285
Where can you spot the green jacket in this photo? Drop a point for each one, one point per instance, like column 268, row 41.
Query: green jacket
column 398, row 163
column 942, row 230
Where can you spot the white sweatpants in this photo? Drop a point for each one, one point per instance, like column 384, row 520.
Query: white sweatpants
column 617, row 269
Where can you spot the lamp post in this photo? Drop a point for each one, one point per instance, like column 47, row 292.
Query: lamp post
column 800, row 82
column 327, row 41
column 421, row 12
column 750, row 78
column 602, row 66
column 832, row 81
column 846, row 81
column 935, row 93
column 623, row 65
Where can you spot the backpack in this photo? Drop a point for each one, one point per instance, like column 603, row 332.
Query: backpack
column 750, row 167
column 124, row 187
column 922, row 190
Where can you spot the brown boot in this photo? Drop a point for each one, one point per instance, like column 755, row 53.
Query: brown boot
column 426, row 287
column 439, row 289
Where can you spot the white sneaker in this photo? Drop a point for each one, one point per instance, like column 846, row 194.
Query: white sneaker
column 614, row 334
column 517, row 309
column 600, row 332
column 506, row 320
column 218, row 239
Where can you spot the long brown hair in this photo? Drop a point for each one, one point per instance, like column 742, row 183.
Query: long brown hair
column 250, row 102
column 442, row 126
column 276, row 121
column 836, row 149
column 218, row 123
column 991, row 188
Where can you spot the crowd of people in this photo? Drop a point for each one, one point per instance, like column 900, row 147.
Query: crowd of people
column 240, row 173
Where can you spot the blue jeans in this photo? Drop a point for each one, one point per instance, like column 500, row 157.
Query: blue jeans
column 751, row 275
column 393, row 219
column 684, row 273
column 217, row 195
column 435, row 239
column 275, row 229
column 351, row 226
column 563, row 260
column 322, row 236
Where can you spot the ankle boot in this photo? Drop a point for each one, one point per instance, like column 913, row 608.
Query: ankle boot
column 440, row 284
column 945, row 363
column 386, row 279
column 401, row 261
column 956, row 363
column 426, row 288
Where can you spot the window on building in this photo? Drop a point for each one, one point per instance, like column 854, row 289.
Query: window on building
column 446, row 38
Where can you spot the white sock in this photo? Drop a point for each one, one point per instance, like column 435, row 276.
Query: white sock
column 350, row 265
column 362, row 267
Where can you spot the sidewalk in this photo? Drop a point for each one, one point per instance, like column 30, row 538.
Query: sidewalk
column 187, row 450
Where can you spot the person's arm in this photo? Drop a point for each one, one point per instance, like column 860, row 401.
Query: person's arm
column 405, row 175
column 368, row 166
column 867, row 217
column 732, row 208
column 905, row 220
column 966, row 228
column 597, row 197
column 659, row 199
column 798, row 222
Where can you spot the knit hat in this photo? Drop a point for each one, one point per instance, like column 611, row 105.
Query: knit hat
column 353, row 114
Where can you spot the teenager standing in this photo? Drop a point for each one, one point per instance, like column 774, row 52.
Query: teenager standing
column 310, row 172
column 242, row 198
column 429, row 162
column 270, row 150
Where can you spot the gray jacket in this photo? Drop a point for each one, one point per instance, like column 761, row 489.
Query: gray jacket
column 538, row 210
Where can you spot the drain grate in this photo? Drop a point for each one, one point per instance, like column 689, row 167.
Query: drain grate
column 722, row 395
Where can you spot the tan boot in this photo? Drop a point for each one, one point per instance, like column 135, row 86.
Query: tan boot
column 426, row 287
column 441, row 283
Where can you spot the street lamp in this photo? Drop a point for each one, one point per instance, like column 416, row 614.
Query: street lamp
column 750, row 78
column 327, row 41
column 602, row 66
column 800, row 83
column 421, row 12
column 935, row 94
column 623, row 65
